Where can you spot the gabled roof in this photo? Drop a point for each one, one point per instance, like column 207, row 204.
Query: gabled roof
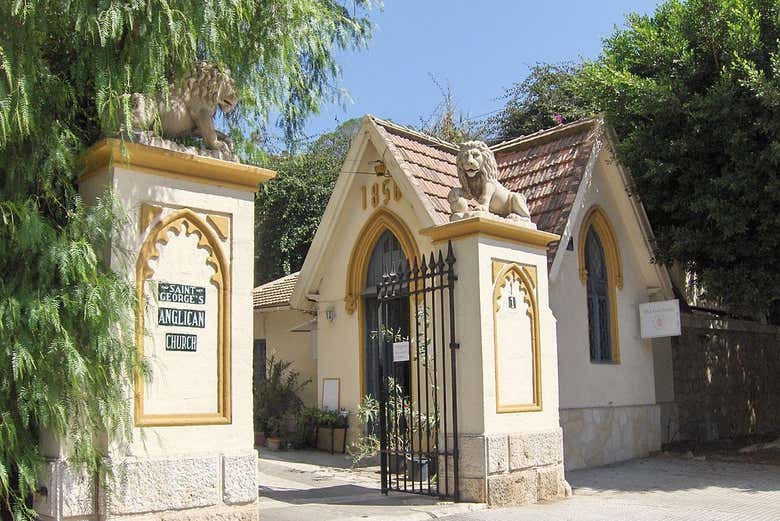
column 546, row 166
column 276, row 293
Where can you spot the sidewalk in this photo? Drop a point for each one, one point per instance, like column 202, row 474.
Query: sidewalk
column 660, row 488
column 318, row 486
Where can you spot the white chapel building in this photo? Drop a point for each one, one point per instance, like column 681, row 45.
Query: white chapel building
column 615, row 388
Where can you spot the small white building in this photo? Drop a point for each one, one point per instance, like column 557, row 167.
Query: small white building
column 615, row 388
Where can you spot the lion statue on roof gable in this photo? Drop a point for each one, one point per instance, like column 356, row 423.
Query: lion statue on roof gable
column 478, row 174
column 190, row 108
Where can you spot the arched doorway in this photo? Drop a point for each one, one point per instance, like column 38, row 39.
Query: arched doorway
column 385, row 258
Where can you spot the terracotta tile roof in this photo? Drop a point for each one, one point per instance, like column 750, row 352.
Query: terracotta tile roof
column 275, row 293
column 547, row 166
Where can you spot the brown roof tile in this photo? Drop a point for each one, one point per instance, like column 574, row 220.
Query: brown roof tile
column 546, row 166
column 275, row 293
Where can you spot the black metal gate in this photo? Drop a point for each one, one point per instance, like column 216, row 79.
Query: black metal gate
column 418, row 420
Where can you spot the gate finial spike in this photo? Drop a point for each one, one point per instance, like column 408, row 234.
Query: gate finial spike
column 415, row 268
column 424, row 266
column 441, row 261
column 432, row 263
column 450, row 254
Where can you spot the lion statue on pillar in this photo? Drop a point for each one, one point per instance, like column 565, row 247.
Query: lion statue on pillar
column 478, row 174
column 190, row 108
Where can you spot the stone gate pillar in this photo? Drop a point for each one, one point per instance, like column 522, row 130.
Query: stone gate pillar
column 510, row 441
column 188, row 248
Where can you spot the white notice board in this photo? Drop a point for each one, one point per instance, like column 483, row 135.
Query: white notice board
column 659, row 319
column 330, row 393
column 400, row 351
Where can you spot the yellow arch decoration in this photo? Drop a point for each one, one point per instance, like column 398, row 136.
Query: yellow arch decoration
column 597, row 218
column 502, row 272
column 381, row 220
column 600, row 222
column 192, row 223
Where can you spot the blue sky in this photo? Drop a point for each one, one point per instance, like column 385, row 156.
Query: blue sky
column 478, row 48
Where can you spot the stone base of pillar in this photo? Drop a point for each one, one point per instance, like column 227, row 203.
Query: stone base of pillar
column 201, row 487
column 512, row 469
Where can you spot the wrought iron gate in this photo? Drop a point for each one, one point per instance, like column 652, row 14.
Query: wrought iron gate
column 418, row 408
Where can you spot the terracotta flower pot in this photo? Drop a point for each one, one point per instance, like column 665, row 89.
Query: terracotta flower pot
column 273, row 443
column 259, row 439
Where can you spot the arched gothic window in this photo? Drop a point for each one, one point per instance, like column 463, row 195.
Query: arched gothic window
column 385, row 258
column 602, row 274
column 599, row 309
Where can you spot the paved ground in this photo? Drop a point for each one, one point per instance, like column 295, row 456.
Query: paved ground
column 315, row 486
column 319, row 487
column 659, row 488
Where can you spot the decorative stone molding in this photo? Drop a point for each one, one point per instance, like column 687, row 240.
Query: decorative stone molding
column 508, row 276
column 109, row 153
column 490, row 226
column 600, row 222
column 381, row 220
column 188, row 222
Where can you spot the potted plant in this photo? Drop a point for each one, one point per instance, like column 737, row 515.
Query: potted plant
column 275, row 431
column 276, row 400
column 328, row 422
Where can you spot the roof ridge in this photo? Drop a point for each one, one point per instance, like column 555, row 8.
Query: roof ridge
column 276, row 281
column 545, row 133
column 410, row 132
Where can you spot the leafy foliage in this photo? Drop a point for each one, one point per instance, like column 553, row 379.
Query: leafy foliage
column 366, row 444
column 67, row 351
column 547, row 97
column 289, row 207
column 67, row 71
column 693, row 92
column 276, row 397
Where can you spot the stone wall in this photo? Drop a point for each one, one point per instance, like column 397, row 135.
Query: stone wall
column 726, row 378
column 194, row 488
column 594, row 436
column 512, row 469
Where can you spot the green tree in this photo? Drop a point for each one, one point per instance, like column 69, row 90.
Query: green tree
column 288, row 208
column 547, row 97
column 449, row 123
column 67, row 70
column 693, row 92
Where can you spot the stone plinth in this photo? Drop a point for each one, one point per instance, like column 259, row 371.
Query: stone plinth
column 510, row 441
column 188, row 247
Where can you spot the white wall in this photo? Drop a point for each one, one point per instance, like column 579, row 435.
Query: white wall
column 582, row 382
column 339, row 341
column 133, row 188
column 295, row 347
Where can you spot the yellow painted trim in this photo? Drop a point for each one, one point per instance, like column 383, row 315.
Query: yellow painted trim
column 491, row 227
column 382, row 219
column 222, row 280
column 149, row 212
column 221, row 224
column 108, row 153
column 527, row 275
column 597, row 218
